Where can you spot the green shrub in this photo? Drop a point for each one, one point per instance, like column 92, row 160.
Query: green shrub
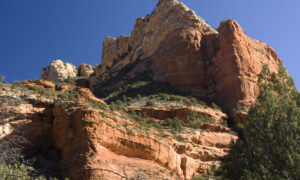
column 70, row 95
column 269, row 141
column 150, row 103
column 139, row 97
column 15, row 171
column 129, row 99
column 143, row 119
column 17, row 84
column 215, row 106
column 175, row 124
column 96, row 105
column 48, row 93
column 113, row 106
column 179, row 138
column 117, row 105
column 239, row 108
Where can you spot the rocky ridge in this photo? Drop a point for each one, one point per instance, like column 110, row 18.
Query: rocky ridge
column 95, row 140
column 58, row 71
column 174, row 45
column 96, row 143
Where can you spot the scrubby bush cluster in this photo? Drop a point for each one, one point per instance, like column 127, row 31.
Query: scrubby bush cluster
column 174, row 124
column 144, row 88
column 269, row 145
column 159, row 99
column 96, row 104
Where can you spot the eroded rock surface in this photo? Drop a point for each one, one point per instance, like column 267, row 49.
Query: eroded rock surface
column 85, row 70
column 58, row 71
column 174, row 45
column 96, row 143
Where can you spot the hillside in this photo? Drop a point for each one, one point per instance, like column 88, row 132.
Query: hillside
column 163, row 104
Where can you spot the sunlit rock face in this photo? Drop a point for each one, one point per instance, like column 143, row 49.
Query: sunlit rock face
column 58, row 71
column 85, row 70
column 96, row 143
column 174, row 45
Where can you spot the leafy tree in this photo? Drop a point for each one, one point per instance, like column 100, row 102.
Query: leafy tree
column 269, row 147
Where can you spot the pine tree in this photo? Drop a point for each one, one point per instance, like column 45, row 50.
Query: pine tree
column 270, row 146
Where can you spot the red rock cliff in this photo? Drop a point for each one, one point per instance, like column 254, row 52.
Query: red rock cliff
column 174, row 45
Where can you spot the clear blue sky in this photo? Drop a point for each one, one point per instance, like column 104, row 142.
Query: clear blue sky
column 35, row 32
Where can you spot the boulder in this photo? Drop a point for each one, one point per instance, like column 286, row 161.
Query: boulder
column 58, row 71
column 85, row 70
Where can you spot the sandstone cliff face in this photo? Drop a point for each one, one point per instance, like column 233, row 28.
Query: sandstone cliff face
column 85, row 70
column 235, row 69
column 176, row 46
column 59, row 71
column 96, row 143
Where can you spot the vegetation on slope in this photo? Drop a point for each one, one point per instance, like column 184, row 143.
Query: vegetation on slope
column 269, row 146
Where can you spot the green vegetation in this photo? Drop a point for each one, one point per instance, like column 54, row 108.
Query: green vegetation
column 179, row 138
column 48, row 93
column 269, row 146
column 211, row 175
column 215, row 106
column 70, row 95
column 239, row 108
column 96, row 105
column 17, row 84
column 143, row 88
column 150, row 103
column 15, row 171
column 16, row 163
column 66, row 98
column 173, row 124
column 157, row 100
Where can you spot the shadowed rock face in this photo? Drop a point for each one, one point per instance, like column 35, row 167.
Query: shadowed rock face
column 174, row 45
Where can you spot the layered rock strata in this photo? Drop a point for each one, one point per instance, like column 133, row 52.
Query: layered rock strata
column 95, row 143
column 174, row 45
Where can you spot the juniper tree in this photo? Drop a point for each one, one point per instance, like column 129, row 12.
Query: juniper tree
column 270, row 146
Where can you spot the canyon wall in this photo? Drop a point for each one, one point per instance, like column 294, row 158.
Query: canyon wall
column 174, row 45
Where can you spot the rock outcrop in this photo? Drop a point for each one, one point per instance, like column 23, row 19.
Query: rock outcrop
column 85, row 70
column 96, row 143
column 174, row 45
column 181, row 112
column 59, row 71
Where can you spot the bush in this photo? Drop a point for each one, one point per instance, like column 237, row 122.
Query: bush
column 15, row 171
column 269, row 141
column 215, row 106
column 69, row 96
column 139, row 97
column 96, row 105
column 179, row 138
column 239, row 108
column 141, row 118
column 113, row 106
column 17, row 84
column 149, row 103
column 117, row 105
column 48, row 93
column 175, row 124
